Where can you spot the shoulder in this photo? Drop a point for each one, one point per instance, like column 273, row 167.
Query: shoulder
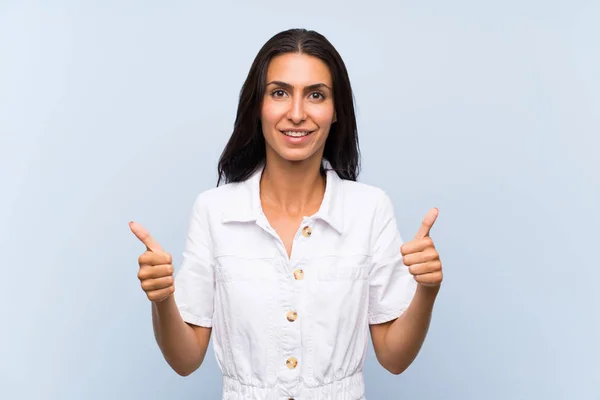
column 224, row 197
column 363, row 195
column 365, row 204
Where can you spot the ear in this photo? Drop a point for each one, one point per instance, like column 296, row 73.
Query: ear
column 334, row 118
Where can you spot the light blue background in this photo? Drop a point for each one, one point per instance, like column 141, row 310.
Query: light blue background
column 118, row 110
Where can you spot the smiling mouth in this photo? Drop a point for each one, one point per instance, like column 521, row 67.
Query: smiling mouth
column 296, row 134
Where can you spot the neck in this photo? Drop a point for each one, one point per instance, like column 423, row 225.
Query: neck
column 295, row 188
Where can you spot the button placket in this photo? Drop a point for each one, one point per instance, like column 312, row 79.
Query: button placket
column 292, row 348
column 291, row 338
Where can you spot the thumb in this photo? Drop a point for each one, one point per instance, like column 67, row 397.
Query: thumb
column 427, row 223
column 144, row 236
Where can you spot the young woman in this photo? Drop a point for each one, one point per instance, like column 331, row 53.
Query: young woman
column 291, row 261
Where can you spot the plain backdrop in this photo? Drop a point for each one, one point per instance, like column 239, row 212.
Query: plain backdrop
column 118, row 110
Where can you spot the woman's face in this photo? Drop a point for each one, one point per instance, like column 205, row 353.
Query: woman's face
column 298, row 109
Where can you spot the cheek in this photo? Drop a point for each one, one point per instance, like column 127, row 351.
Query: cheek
column 323, row 116
column 271, row 113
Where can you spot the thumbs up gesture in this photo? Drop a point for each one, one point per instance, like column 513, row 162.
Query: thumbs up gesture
column 156, row 266
column 420, row 255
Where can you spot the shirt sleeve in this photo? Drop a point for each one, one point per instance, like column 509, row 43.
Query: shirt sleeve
column 194, row 282
column 391, row 285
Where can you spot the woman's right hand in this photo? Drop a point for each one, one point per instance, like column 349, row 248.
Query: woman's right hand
column 156, row 267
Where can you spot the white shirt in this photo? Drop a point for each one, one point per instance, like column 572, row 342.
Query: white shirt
column 294, row 327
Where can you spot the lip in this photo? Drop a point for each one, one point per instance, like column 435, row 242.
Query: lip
column 297, row 130
column 297, row 140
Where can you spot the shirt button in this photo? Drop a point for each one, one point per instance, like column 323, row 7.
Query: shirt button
column 306, row 231
column 298, row 274
column 291, row 362
column 291, row 316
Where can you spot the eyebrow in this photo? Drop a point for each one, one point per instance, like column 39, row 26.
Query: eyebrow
column 306, row 89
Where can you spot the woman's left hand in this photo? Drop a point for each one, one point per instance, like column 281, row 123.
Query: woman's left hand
column 420, row 255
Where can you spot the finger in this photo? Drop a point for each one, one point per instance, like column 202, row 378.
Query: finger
column 426, row 255
column 161, row 294
column 416, row 245
column 153, row 259
column 144, row 236
column 427, row 223
column 425, row 268
column 431, row 279
column 153, row 272
column 156, row 284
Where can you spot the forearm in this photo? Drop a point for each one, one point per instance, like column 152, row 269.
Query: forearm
column 176, row 339
column 405, row 336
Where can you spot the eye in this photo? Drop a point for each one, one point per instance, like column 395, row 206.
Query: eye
column 317, row 96
column 278, row 93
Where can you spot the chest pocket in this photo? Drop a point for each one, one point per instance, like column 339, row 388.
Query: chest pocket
column 246, row 267
column 244, row 252
column 342, row 268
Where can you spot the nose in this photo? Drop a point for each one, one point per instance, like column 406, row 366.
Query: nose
column 296, row 112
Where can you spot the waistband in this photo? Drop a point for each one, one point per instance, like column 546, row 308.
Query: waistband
column 349, row 388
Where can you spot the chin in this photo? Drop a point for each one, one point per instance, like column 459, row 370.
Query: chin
column 295, row 155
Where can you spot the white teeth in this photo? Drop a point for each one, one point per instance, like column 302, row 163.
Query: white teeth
column 296, row 134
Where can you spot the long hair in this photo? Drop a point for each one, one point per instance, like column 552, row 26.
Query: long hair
column 246, row 148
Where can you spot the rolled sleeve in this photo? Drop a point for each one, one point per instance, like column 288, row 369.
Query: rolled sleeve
column 391, row 285
column 194, row 282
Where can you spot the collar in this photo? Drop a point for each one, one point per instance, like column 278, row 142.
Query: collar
column 249, row 209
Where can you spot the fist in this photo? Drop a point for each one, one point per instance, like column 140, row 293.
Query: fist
column 420, row 255
column 156, row 267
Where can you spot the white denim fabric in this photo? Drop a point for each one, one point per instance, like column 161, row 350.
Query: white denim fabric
column 298, row 327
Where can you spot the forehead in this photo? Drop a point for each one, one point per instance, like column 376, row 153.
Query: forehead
column 298, row 70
